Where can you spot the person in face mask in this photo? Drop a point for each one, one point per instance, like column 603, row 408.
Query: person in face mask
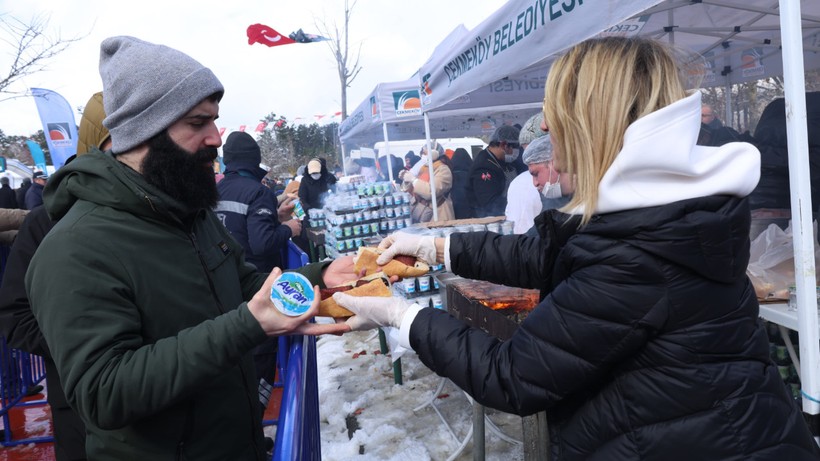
column 493, row 171
column 538, row 188
column 421, row 187
column 313, row 187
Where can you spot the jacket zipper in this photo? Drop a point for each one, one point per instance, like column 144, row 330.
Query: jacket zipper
column 248, row 394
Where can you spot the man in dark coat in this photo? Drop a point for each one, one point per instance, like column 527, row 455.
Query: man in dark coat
column 462, row 162
column 17, row 322
column 34, row 195
column 492, row 172
column 249, row 209
column 7, row 198
column 314, row 185
column 20, row 193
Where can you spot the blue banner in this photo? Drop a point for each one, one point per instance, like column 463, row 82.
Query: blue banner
column 37, row 155
column 58, row 125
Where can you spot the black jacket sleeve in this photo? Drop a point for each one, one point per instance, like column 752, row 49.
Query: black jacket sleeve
column 577, row 336
column 17, row 322
column 486, row 255
column 483, row 256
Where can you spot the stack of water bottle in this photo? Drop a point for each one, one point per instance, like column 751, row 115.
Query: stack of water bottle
column 358, row 215
column 424, row 290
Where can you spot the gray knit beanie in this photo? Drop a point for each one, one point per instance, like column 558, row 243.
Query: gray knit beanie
column 148, row 87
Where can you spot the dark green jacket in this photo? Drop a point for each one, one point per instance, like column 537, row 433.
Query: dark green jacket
column 146, row 319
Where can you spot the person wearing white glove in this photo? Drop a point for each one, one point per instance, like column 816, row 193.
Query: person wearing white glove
column 375, row 311
column 424, row 247
column 646, row 342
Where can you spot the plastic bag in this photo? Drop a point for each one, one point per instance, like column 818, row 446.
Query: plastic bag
column 771, row 262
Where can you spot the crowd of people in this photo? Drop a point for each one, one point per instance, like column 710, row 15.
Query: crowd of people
column 145, row 283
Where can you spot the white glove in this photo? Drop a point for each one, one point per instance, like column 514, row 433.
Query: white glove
column 373, row 311
column 400, row 243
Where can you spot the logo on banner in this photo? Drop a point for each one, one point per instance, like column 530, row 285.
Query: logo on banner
column 702, row 72
column 59, row 133
column 425, row 85
column 374, row 109
column 407, row 103
column 751, row 62
column 628, row 28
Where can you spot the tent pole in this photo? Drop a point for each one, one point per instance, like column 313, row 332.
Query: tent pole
column 727, row 116
column 800, row 189
column 389, row 155
column 344, row 164
column 342, row 148
column 430, row 167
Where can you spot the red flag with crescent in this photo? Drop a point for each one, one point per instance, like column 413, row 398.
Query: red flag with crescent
column 260, row 33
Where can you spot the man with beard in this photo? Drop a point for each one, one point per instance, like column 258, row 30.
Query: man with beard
column 143, row 297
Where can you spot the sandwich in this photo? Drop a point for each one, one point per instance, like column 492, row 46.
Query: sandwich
column 328, row 306
column 401, row 265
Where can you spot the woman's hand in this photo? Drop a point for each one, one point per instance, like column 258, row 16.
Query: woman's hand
column 424, row 247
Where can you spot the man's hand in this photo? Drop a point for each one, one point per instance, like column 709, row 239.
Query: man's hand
column 285, row 210
column 408, row 177
column 423, row 247
column 342, row 271
column 373, row 311
column 275, row 323
column 295, row 226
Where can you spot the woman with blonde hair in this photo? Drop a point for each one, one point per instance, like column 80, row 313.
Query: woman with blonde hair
column 647, row 343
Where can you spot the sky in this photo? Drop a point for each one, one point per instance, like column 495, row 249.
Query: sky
column 297, row 80
column 396, row 421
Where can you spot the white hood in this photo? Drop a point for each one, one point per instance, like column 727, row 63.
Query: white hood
column 660, row 163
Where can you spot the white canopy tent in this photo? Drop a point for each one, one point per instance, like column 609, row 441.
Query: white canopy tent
column 739, row 41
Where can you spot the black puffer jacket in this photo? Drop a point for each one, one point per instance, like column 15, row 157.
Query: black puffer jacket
column 647, row 347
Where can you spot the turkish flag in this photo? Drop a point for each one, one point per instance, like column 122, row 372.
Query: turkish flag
column 260, row 33
column 261, row 127
column 242, row 128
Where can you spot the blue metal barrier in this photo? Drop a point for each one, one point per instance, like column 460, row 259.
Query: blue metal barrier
column 19, row 371
column 294, row 257
column 297, row 433
column 298, row 437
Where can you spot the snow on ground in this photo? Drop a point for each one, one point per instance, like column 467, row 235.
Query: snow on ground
column 366, row 416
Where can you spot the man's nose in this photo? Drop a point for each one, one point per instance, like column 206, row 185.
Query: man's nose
column 212, row 138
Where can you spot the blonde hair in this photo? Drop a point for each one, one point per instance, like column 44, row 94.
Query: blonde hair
column 593, row 93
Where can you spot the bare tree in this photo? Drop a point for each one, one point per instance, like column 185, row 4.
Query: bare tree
column 339, row 44
column 30, row 47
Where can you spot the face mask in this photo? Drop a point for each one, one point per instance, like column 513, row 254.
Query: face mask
column 316, row 176
column 552, row 190
column 512, row 157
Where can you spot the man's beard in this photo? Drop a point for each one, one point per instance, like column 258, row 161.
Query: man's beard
column 186, row 177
